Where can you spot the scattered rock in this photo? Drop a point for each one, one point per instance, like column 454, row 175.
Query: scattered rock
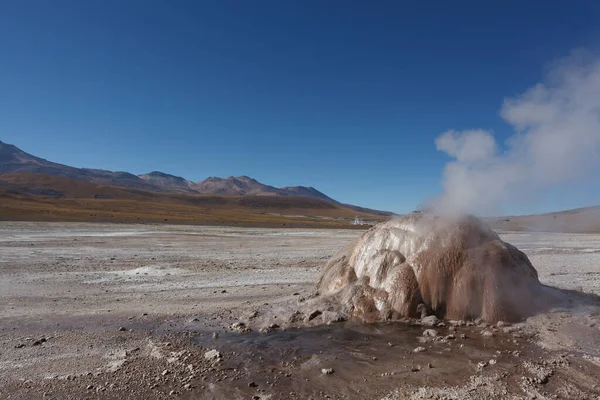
column 430, row 320
column 430, row 333
column 449, row 337
column 239, row 327
column 213, row 355
column 327, row 371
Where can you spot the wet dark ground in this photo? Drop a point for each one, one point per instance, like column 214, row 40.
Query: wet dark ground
column 368, row 360
column 347, row 360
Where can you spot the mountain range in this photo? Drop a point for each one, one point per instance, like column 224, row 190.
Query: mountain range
column 15, row 160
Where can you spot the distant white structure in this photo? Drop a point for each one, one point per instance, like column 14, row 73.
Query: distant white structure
column 358, row 221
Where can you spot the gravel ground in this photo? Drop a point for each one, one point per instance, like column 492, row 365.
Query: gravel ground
column 129, row 311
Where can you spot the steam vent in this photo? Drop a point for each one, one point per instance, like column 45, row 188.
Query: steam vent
column 460, row 268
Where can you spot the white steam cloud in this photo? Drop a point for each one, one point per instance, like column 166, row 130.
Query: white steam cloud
column 556, row 141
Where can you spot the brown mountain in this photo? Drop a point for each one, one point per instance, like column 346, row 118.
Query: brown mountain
column 168, row 183
column 236, row 186
column 15, row 160
column 35, row 197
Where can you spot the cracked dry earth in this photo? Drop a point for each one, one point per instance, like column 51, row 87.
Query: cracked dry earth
column 163, row 312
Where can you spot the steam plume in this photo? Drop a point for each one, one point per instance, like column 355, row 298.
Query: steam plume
column 556, row 140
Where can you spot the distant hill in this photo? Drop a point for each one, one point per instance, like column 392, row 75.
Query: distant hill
column 15, row 160
column 236, row 186
column 579, row 220
column 36, row 197
column 169, row 183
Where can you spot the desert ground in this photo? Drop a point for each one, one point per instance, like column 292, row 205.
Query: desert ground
column 107, row 311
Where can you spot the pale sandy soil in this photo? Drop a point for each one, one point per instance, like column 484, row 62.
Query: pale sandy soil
column 171, row 287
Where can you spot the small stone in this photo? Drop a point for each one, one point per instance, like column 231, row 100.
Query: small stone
column 19, row 346
column 187, row 386
column 252, row 384
column 239, row 327
column 89, row 387
column 215, row 335
column 487, row 334
column 172, row 393
column 492, row 361
column 481, row 365
column 166, row 372
column 419, row 349
column 450, row 337
column 500, row 324
column 122, row 329
column 430, row 333
column 327, row 371
column 463, row 336
column 212, row 355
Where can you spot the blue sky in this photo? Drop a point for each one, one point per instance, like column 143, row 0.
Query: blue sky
column 345, row 96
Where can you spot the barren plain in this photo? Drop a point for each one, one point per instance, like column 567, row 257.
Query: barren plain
column 107, row 311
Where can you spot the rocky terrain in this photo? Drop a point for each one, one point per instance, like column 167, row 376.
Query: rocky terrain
column 147, row 311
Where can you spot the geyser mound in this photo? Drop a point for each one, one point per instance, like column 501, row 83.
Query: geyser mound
column 459, row 267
